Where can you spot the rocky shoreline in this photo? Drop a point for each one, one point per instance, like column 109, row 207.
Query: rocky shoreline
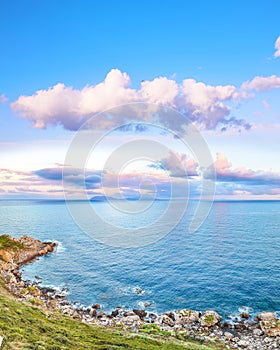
column 252, row 333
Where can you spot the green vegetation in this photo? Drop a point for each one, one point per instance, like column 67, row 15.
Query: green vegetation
column 30, row 290
column 150, row 329
column 208, row 319
column 7, row 242
column 28, row 327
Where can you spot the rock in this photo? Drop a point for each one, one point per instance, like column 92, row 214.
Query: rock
column 7, row 255
column 101, row 314
column 185, row 316
column 245, row 315
column 103, row 319
column 266, row 316
column 226, row 325
column 152, row 316
column 141, row 313
column 257, row 332
column 240, row 326
column 243, row 344
column 115, row 313
column 164, row 320
column 61, row 297
column 171, row 315
column 271, row 328
column 139, row 290
column 47, row 290
column 147, row 304
column 251, row 324
column 131, row 321
column 129, row 313
column 235, row 339
column 210, row 318
column 96, row 306
column 228, row 335
column 92, row 312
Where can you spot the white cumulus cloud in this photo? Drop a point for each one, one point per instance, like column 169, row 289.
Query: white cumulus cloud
column 69, row 107
column 262, row 83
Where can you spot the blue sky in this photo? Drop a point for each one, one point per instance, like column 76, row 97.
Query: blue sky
column 191, row 47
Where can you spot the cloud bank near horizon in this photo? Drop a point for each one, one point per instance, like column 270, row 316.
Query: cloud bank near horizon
column 206, row 105
column 236, row 182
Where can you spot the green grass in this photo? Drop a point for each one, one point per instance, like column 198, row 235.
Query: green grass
column 209, row 319
column 27, row 327
column 7, row 242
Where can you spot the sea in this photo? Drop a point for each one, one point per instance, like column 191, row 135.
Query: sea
column 230, row 264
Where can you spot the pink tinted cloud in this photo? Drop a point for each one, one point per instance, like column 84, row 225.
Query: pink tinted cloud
column 59, row 104
column 179, row 165
column 226, row 173
column 160, row 90
column 71, row 108
column 262, row 83
column 3, row 99
column 206, row 102
column 25, row 184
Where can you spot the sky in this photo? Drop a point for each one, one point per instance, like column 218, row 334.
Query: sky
column 63, row 63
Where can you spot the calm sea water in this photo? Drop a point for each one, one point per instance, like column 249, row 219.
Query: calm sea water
column 232, row 261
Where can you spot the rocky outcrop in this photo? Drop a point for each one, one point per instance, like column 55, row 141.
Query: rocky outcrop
column 269, row 324
column 186, row 316
column 210, row 318
column 24, row 250
column 15, row 252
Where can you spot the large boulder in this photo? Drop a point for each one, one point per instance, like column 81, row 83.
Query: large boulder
column 269, row 324
column 266, row 316
column 210, row 318
column 185, row 316
column 164, row 320
column 141, row 313
column 132, row 321
column 271, row 328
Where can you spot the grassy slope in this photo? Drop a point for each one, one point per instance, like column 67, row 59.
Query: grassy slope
column 6, row 242
column 28, row 327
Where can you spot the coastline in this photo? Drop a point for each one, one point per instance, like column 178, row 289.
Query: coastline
column 262, row 332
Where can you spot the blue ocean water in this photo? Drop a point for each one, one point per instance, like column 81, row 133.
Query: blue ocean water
column 233, row 260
